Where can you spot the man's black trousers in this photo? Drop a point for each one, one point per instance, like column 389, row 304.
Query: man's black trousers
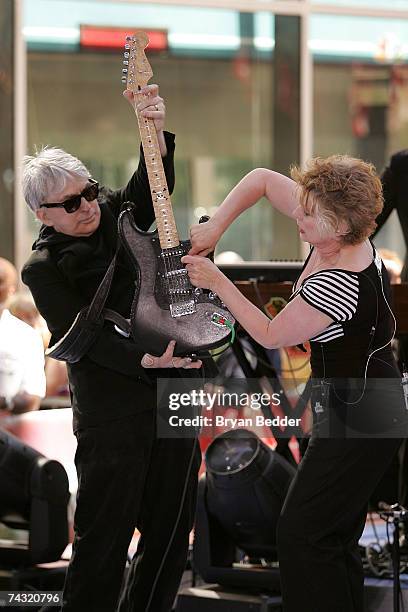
column 127, row 478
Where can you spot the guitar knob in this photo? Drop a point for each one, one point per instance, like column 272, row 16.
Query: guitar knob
column 212, row 295
column 198, row 291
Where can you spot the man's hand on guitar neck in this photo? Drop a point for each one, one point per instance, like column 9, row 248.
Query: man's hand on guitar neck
column 152, row 106
column 167, row 360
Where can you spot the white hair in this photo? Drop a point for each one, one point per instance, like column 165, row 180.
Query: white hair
column 46, row 171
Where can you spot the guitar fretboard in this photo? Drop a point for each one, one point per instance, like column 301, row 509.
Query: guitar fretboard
column 166, row 225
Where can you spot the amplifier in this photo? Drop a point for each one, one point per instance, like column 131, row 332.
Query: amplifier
column 277, row 271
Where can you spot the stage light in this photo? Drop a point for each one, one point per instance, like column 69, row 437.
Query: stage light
column 33, row 497
column 239, row 502
column 246, row 486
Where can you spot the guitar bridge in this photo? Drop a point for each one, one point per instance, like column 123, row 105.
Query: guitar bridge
column 182, row 308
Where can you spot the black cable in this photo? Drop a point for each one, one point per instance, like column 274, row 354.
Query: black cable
column 176, row 523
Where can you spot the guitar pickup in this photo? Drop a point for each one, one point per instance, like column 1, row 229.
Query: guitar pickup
column 172, row 273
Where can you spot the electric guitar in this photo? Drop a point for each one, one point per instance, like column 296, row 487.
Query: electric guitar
column 166, row 305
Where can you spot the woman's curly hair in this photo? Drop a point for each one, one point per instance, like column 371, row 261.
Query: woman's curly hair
column 342, row 189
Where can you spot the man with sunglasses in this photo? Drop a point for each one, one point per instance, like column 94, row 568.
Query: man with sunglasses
column 127, row 477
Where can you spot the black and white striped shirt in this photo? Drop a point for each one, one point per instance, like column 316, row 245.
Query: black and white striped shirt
column 335, row 293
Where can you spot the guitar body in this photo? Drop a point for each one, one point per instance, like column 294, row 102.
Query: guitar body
column 155, row 315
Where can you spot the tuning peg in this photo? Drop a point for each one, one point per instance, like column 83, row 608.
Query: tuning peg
column 127, row 47
column 125, row 63
column 124, row 71
column 128, row 37
column 126, row 55
column 124, row 79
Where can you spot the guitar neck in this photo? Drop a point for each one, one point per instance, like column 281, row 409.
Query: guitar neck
column 163, row 211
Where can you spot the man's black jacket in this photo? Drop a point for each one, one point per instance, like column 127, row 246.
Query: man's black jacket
column 63, row 273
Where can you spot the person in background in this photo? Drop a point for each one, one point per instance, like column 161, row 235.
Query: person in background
column 22, row 306
column 22, row 378
column 393, row 264
column 394, row 181
column 56, row 375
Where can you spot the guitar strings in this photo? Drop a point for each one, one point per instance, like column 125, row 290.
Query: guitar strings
column 170, row 259
column 169, row 267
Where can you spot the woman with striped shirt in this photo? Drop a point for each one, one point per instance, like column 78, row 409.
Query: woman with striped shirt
column 340, row 303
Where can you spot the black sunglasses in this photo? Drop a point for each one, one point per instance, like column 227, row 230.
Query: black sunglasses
column 71, row 205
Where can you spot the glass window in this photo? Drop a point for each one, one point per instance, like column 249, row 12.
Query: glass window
column 373, row 4
column 217, row 75
column 360, row 93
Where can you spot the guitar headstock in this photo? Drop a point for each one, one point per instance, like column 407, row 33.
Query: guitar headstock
column 137, row 71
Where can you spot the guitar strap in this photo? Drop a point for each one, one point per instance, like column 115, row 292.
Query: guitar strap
column 89, row 322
